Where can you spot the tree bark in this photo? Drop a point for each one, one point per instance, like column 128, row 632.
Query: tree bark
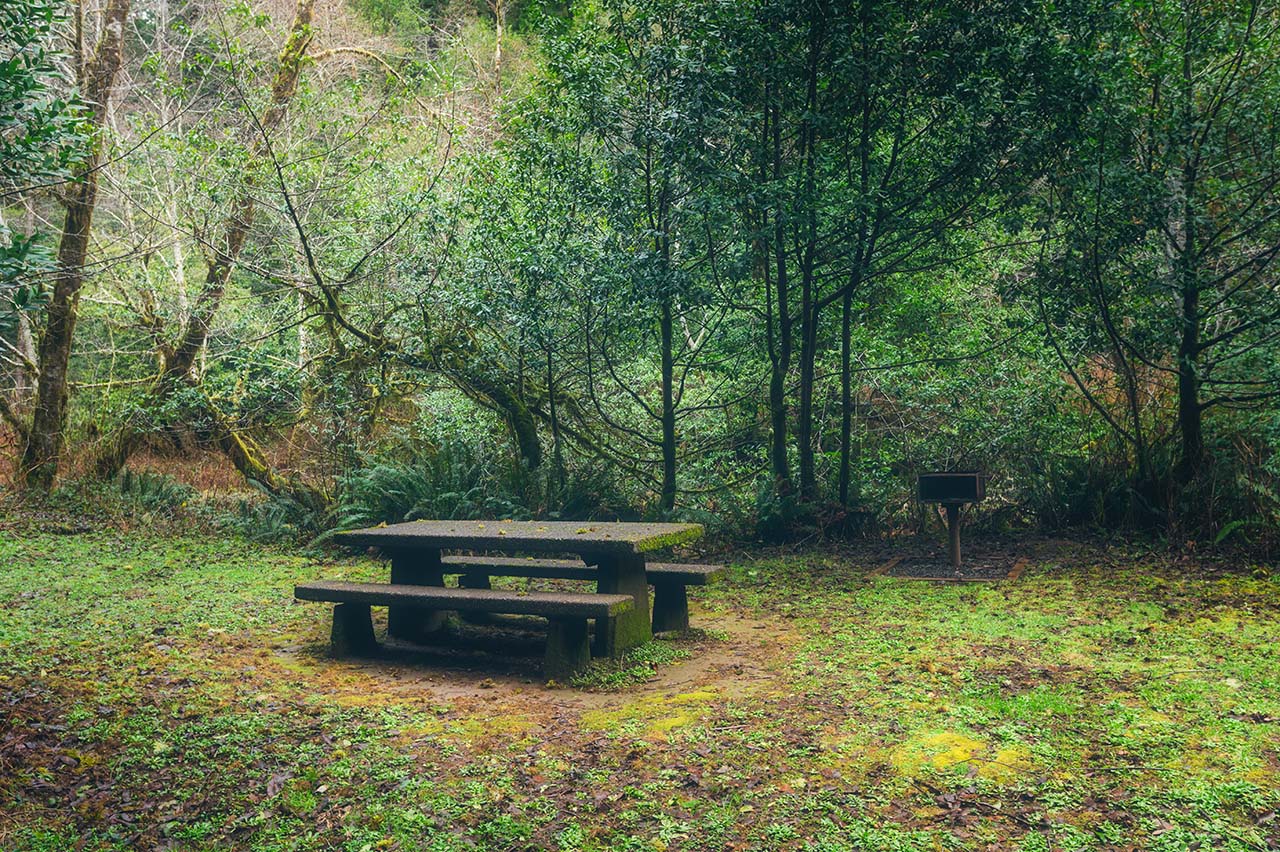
column 781, row 302
column 485, row 383
column 808, row 261
column 38, row 468
column 668, row 497
column 557, row 451
column 804, row 412
column 846, row 395
column 24, row 376
column 1189, row 409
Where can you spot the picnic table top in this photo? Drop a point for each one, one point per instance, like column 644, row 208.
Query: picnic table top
column 585, row 537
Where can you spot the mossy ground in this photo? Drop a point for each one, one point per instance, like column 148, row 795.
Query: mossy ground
column 167, row 692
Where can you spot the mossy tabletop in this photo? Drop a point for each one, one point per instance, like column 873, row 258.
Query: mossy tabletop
column 584, row 537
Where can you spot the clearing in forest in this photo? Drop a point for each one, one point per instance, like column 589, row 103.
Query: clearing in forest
column 169, row 693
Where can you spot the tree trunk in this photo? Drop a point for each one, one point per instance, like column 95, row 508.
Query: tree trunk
column 24, row 380
column 808, row 261
column 1190, row 412
column 499, row 25
column 668, row 500
column 557, row 451
column 778, row 459
column 781, row 362
column 40, row 459
column 804, row 414
column 485, row 383
column 1189, row 409
column 251, row 461
column 45, row 438
column 26, row 372
column 846, row 394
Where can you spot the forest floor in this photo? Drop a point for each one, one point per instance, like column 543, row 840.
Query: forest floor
column 168, row 692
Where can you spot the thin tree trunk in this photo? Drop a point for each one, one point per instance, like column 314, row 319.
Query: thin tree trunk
column 781, row 363
column 45, row 438
column 557, row 451
column 846, row 394
column 668, row 408
column 861, row 262
column 24, row 380
column 808, row 261
column 499, row 25
column 804, row 413
column 1190, row 412
column 24, row 341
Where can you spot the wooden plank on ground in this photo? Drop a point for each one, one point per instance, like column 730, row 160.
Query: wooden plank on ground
column 886, row 567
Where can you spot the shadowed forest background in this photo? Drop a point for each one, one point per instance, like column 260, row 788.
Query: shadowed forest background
column 753, row 264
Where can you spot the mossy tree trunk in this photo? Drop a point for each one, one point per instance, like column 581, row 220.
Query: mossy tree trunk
column 96, row 78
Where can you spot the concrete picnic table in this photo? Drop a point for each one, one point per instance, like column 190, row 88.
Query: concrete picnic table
column 617, row 549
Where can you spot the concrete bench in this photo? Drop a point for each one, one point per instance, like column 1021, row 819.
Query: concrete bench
column 567, row 648
column 669, row 579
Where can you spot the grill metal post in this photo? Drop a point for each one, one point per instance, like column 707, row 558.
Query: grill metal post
column 953, row 528
column 953, row 490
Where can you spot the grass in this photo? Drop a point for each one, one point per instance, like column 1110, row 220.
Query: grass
column 167, row 691
column 633, row 667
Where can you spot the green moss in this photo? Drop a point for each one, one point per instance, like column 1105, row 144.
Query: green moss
column 652, row 715
column 692, row 533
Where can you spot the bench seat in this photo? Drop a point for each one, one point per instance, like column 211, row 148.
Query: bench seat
column 669, row 579
column 567, row 645
column 573, row 569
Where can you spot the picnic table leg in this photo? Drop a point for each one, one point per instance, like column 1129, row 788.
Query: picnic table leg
column 567, row 647
column 418, row 568
column 352, row 633
column 670, row 607
column 623, row 575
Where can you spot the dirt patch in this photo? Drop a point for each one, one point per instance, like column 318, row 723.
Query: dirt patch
column 739, row 655
column 989, row 568
column 1016, row 677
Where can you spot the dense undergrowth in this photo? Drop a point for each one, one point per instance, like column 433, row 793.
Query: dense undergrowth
column 456, row 479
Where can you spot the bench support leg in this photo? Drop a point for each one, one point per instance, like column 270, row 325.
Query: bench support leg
column 475, row 581
column 623, row 575
column 567, row 647
column 602, row 640
column 418, row 568
column 352, row 634
column 670, row 607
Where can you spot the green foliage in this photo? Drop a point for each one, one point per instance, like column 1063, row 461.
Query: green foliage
column 548, row 280
column 40, row 132
column 41, row 139
column 636, row 666
column 275, row 518
column 1155, row 288
column 781, row 516
column 154, row 492
column 452, row 481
